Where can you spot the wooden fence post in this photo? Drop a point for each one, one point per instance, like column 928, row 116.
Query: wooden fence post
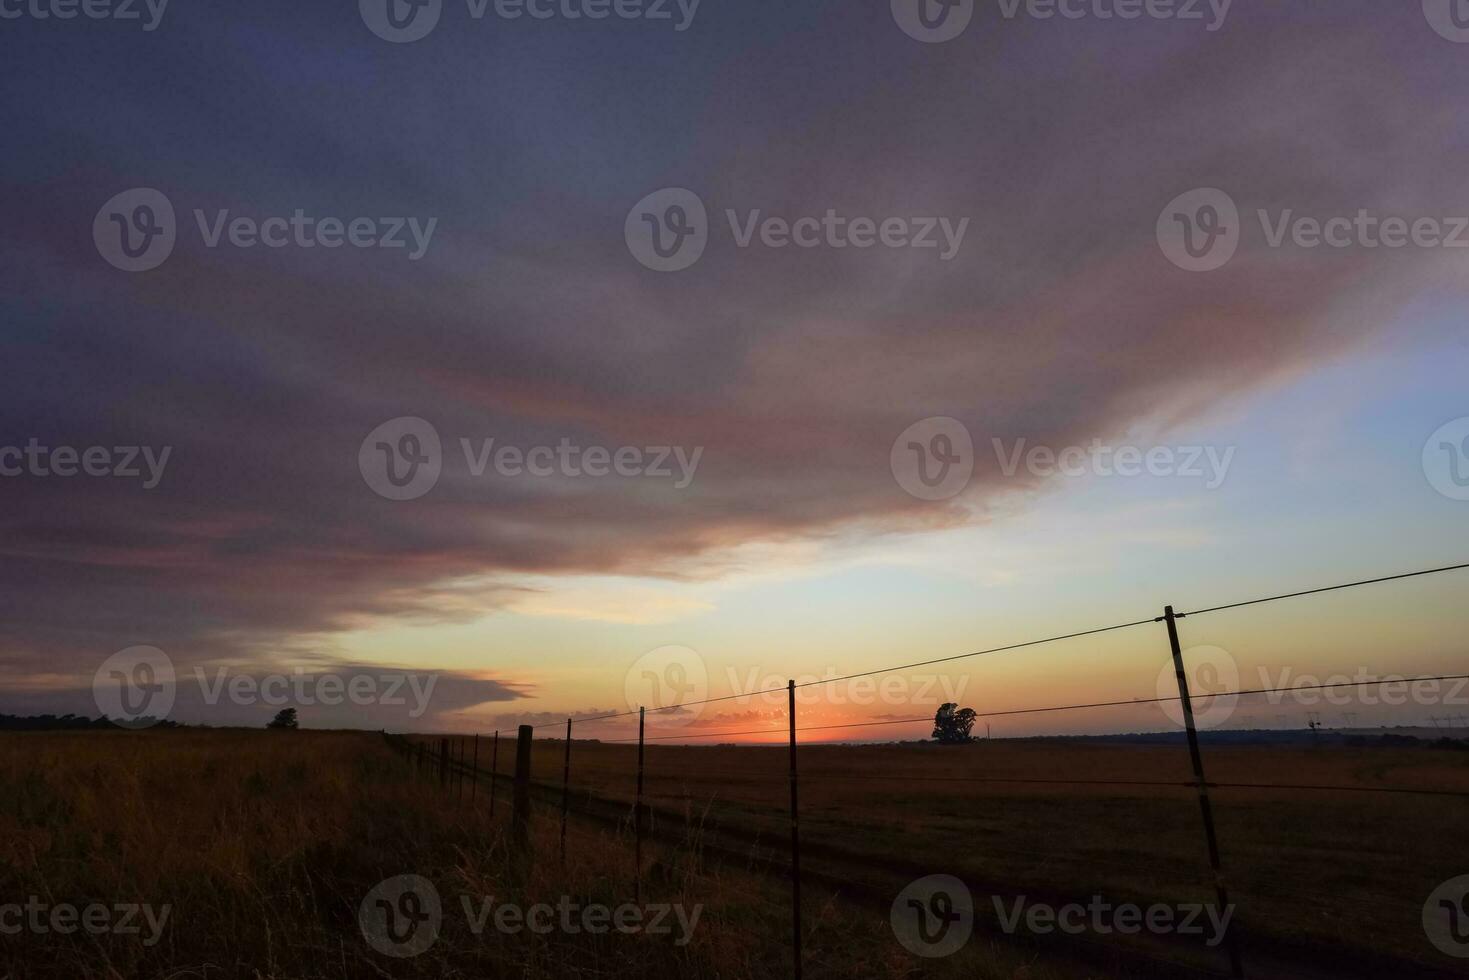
column 494, row 770
column 1221, row 893
column 638, row 818
column 520, row 802
column 475, row 781
column 565, row 789
column 444, row 764
column 795, row 841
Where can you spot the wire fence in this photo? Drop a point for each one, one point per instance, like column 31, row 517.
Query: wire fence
column 457, row 763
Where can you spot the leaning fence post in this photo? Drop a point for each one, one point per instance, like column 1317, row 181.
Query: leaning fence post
column 1236, row 966
column 494, row 769
column 520, row 802
column 795, row 840
column 638, row 818
column 475, row 781
column 444, row 764
column 565, row 789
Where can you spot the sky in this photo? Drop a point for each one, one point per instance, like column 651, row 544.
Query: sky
column 1118, row 259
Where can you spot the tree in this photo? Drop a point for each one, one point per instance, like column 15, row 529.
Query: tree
column 951, row 724
column 286, row 718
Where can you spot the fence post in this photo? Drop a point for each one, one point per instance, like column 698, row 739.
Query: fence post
column 520, row 802
column 473, row 783
column 444, row 764
column 420, row 760
column 795, row 840
column 1236, row 966
column 565, row 789
column 463, row 749
column 638, row 818
column 494, row 770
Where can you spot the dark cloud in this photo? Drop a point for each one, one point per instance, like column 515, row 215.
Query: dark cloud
column 529, row 322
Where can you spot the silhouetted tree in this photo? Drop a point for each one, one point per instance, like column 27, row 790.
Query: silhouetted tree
column 285, row 718
column 951, row 724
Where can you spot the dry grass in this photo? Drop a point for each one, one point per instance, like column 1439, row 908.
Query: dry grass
column 1330, row 872
column 264, row 844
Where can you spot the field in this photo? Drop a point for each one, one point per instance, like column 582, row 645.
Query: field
column 263, row 847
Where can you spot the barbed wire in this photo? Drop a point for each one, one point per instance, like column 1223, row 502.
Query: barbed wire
column 1018, row 646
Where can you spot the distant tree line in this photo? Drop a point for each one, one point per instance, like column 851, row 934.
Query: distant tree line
column 67, row 722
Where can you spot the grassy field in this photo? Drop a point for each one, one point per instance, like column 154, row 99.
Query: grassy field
column 263, row 846
column 1331, row 876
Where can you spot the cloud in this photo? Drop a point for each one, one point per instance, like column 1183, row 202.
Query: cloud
column 529, row 322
